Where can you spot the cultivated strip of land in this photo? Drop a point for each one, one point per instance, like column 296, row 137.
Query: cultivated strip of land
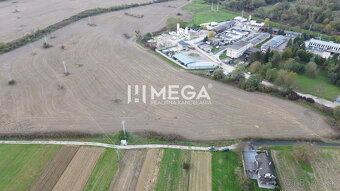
column 128, row 171
column 148, row 177
column 200, row 171
column 79, row 170
column 55, row 169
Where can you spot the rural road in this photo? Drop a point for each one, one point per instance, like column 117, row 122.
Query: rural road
column 76, row 143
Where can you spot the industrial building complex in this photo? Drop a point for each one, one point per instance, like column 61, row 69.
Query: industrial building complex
column 216, row 44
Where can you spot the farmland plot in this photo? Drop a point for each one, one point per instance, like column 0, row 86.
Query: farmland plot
column 128, row 171
column 21, row 165
column 102, row 175
column 200, row 171
column 24, row 16
column 79, row 170
column 102, row 63
column 323, row 173
column 55, row 169
column 172, row 176
column 148, row 177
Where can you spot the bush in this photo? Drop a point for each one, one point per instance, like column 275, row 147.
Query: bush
column 218, row 74
column 336, row 112
column 121, row 135
column 12, row 82
column 312, row 69
column 185, row 165
column 293, row 66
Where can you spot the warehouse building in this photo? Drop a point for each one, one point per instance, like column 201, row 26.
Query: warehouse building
column 237, row 49
column 257, row 38
column 273, row 43
column 323, row 46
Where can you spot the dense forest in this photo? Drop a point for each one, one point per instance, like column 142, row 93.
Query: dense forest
column 319, row 15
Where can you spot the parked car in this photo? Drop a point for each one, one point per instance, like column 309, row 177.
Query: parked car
column 212, row 148
column 225, row 149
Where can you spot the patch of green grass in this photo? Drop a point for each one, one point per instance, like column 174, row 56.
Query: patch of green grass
column 203, row 13
column 259, row 45
column 306, row 167
column 193, row 55
column 319, row 86
column 171, row 175
column 255, row 187
column 21, row 165
column 106, row 168
column 223, row 56
column 223, row 171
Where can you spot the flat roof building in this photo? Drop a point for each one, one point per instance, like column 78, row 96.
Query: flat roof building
column 237, row 49
column 273, row 43
column 257, row 38
column 183, row 59
column 323, row 46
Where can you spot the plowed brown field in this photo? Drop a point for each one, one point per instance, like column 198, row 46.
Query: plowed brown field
column 55, row 169
column 148, row 177
column 200, row 171
column 24, row 16
column 128, row 171
column 102, row 63
column 79, row 170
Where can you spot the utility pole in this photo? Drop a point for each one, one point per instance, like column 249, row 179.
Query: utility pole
column 65, row 69
column 8, row 73
column 212, row 5
column 124, row 131
column 218, row 3
column 117, row 151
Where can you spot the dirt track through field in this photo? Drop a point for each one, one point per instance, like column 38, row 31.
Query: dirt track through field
column 102, row 63
column 55, row 169
column 79, row 170
column 200, row 171
column 128, row 171
column 148, row 176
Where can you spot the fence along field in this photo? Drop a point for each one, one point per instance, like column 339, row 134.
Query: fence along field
column 55, row 169
column 79, row 170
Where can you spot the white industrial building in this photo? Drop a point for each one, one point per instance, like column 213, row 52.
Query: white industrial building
column 237, row 49
column 323, row 46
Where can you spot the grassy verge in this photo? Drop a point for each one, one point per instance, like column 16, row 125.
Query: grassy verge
column 319, row 86
column 102, row 175
column 223, row 171
column 202, row 13
column 21, row 165
column 171, row 175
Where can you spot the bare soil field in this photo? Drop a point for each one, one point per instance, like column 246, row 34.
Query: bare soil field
column 102, row 63
column 324, row 176
column 129, row 170
column 200, row 171
column 148, row 176
column 79, row 170
column 24, row 16
column 55, row 169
